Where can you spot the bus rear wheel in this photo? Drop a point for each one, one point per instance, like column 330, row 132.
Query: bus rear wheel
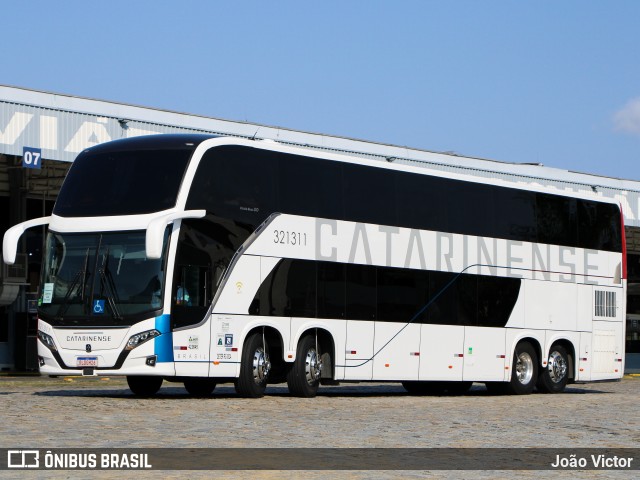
column 254, row 367
column 200, row 387
column 554, row 377
column 303, row 377
column 144, row 386
column 524, row 370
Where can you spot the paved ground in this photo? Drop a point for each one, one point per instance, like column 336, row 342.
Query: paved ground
column 101, row 412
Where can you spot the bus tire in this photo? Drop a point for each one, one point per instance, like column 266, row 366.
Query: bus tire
column 200, row 387
column 303, row 377
column 524, row 370
column 424, row 388
column 554, row 377
column 144, row 386
column 254, row 367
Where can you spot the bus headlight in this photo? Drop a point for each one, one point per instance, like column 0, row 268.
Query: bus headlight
column 140, row 338
column 47, row 340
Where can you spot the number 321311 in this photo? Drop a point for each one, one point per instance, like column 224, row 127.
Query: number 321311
column 286, row 237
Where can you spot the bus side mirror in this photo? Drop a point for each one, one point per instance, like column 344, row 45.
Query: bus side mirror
column 155, row 230
column 12, row 236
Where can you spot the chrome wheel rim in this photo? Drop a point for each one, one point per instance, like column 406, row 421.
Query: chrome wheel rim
column 524, row 368
column 312, row 366
column 261, row 365
column 557, row 367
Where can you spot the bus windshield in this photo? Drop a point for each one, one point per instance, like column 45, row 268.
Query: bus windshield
column 100, row 278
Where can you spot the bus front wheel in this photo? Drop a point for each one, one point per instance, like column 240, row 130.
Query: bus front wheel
column 144, row 386
column 254, row 367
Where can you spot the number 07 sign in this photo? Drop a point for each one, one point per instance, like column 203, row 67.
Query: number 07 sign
column 31, row 158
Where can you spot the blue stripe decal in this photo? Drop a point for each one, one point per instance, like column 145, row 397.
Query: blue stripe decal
column 163, row 344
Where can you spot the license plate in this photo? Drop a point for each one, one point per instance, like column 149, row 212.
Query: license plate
column 87, row 361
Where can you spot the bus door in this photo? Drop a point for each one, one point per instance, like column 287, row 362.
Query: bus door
column 191, row 330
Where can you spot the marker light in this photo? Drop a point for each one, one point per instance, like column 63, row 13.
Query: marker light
column 140, row 338
column 47, row 340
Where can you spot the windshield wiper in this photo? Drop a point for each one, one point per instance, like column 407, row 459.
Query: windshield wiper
column 79, row 279
column 108, row 286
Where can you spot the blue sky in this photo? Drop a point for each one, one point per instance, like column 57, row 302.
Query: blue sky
column 548, row 82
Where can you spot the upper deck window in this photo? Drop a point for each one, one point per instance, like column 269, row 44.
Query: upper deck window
column 126, row 182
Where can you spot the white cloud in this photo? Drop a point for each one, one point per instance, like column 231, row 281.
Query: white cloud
column 627, row 119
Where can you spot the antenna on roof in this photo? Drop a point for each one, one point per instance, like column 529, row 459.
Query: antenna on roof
column 254, row 135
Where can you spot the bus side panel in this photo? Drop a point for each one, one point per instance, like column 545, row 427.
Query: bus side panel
column 484, row 355
column 359, row 350
column 397, row 348
column 584, row 308
column 241, row 286
column 551, row 305
column 441, row 348
column 191, row 350
column 226, row 345
column 584, row 358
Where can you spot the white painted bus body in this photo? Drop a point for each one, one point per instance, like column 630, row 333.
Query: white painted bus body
column 556, row 302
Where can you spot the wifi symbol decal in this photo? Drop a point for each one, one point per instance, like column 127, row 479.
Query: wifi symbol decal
column 239, row 287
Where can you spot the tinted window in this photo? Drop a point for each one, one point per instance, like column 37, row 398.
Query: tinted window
column 422, row 202
column 496, row 298
column 599, row 226
column 310, row 187
column 515, row 214
column 248, row 184
column 466, row 287
column 361, row 292
column 402, row 293
column 288, row 291
column 122, row 183
column 236, row 183
column 369, row 195
column 557, row 219
column 331, row 290
column 443, row 308
column 471, row 209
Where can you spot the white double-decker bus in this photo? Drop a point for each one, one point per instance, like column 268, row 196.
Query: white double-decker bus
column 206, row 260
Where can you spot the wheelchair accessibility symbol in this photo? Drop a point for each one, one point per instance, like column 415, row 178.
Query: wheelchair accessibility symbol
column 98, row 307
